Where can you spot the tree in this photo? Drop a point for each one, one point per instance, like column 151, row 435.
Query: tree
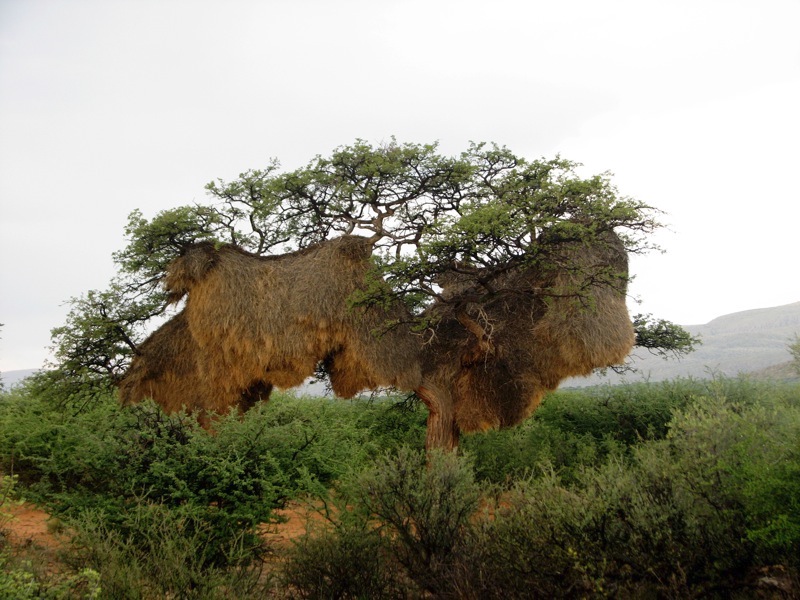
column 662, row 337
column 2, row 385
column 794, row 350
column 476, row 219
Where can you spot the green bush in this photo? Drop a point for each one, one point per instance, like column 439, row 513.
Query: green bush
column 20, row 578
column 574, row 429
column 318, row 439
column 143, row 489
column 347, row 559
column 531, row 546
column 748, row 461
column 425, row 505
column 695, row 513
column 392, row 422
column 399, row 529
column 677, row 489
column 104, row 454
column 112, row 461
column 161, row 553
column 505, row 456
column 699, row 509
column 627, row 414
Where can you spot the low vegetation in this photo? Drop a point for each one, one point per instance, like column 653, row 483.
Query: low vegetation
column 678, row 489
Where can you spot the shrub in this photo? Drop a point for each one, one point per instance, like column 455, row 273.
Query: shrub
column 527, row 546
column 695, row 513
column 625, row 413
column 746, row 460
column 392, row 422
column 154, row 498
column 319, row 439
column 425, row 504
column 574, row 429
column 506, row 456
column 160, row 553
column 400, row 526
column 677, row 489
column 20, row 578
column 133, row 459
column 348, row 559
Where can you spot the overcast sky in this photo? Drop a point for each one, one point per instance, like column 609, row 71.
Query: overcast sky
column 107, row 106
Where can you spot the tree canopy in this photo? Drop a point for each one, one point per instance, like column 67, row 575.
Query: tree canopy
column 430, row 218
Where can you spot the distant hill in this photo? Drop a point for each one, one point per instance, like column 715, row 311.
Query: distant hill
column 742, row 342
column 10, row 378
column 782, row 372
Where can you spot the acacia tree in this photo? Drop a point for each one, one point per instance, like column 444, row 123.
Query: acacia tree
column 475, row 217
column 794, row 350
column 2, row 385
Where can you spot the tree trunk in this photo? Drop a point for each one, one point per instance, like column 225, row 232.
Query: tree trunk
column 442, row 429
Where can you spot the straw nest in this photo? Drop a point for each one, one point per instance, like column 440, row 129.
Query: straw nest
column 253, row 322
column 489, row 365
column 167, row 368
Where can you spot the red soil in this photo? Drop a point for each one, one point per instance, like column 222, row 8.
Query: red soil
column 31, row 527
column 28, row 527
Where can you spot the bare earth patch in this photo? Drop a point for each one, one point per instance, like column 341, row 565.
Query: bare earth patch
column 29, row 527
column 297, row 515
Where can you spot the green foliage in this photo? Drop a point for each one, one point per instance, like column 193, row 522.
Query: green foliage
column 696, row 509
column 746, row 459
column 286, row 444
column 573, row 429
column 505, row 456
column 399, row 527
column 19, row 580
column 153, row 244
column 685, row 512
column 162, row 507
column 17, row 583
column 347, row 559
column 97, row 342
column 577, row 428
column 126, row 477
column 8, row 498
column 424, row 504
column 627, row 413
column 678, row 489
column 123, row 464
column 663, row 337
column 162, row 554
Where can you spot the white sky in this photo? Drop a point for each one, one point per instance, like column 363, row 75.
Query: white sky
column 111, row 105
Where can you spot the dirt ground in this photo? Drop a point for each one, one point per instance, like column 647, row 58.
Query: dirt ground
column 28, row 527
column 31, row 527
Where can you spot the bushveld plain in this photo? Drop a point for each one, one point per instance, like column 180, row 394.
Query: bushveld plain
column 682, row 488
